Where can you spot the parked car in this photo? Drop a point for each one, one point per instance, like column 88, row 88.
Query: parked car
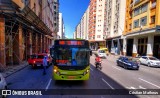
column 150, row 61
column 127, row 63
column 101, row 53
column 37, row 60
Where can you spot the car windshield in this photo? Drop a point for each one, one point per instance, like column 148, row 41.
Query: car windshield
column 40, row 56
column 32, row 56
column 72, row 56
column 153, row 58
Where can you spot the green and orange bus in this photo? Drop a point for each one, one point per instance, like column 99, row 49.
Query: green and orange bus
column 71, row 59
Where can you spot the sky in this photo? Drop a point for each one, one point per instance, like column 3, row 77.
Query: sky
column 72, row 11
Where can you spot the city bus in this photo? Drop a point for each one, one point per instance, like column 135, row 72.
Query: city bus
column 71, row 59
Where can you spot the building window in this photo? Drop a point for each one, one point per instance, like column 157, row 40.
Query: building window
column 34, row 7
column 137, row 11
column 136, row 1
column 144, row 21
column 144, row 8
column 136, row 23
column 93, row 37
column 98, row 36
column 153, row 19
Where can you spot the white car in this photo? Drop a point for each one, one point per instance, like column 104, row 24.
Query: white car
column 101, row 53
column 150, row 61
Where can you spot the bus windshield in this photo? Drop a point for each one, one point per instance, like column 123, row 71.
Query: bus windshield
column 71, row 56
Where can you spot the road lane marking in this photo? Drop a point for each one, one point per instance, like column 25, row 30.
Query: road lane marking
column 132, row 87
column 141, row 87
column 116, row 68
column 149, row 82
column 91, row 69
column 107, row 83
column 48, row 84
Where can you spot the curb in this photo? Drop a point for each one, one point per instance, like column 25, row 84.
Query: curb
column 9, row 74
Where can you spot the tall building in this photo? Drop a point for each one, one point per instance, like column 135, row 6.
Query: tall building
column 96, row 23
column 142, row 27
column 74, row 35
column 87, row 23
column 115, row 18
column 78, row 31
column 26, row 27
column 61, row 27
column 82, row 27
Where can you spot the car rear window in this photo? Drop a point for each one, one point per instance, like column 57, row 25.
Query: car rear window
column 101, row 51
column 152, row 58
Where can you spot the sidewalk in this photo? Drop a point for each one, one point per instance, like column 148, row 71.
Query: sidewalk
column 13, row 69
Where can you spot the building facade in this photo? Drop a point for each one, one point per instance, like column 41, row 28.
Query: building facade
column 78, row 31
column 142, row 25
column 96, row 33
column 115, row 18
column 26, row 27
column 61, row 27
column 81, row 30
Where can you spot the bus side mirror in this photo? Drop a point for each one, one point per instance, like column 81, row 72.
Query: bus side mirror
column 90, row 52
column 52, row 52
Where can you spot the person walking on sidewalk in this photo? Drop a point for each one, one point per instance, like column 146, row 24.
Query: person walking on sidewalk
column 44, row 65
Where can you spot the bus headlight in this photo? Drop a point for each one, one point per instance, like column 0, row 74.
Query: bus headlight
column 55, row 70
column 87, row 70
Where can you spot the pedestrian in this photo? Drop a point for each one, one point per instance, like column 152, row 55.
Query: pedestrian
column 44, row 65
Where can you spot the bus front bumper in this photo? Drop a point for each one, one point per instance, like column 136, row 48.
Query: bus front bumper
column 70, row 77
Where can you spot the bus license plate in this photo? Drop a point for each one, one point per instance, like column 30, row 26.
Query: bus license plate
column 71, row 77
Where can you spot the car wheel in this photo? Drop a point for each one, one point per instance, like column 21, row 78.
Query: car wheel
column 149, row 64
column 125, row 67
column 33, row 66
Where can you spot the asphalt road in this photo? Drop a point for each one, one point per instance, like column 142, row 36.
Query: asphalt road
column 110, row 77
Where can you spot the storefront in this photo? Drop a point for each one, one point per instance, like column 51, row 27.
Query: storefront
column 143, row 43
column 156, row 47
column 94, row 45
column 115, row 45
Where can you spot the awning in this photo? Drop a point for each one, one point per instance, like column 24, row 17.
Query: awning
column 115, row 37
column 96, row 41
